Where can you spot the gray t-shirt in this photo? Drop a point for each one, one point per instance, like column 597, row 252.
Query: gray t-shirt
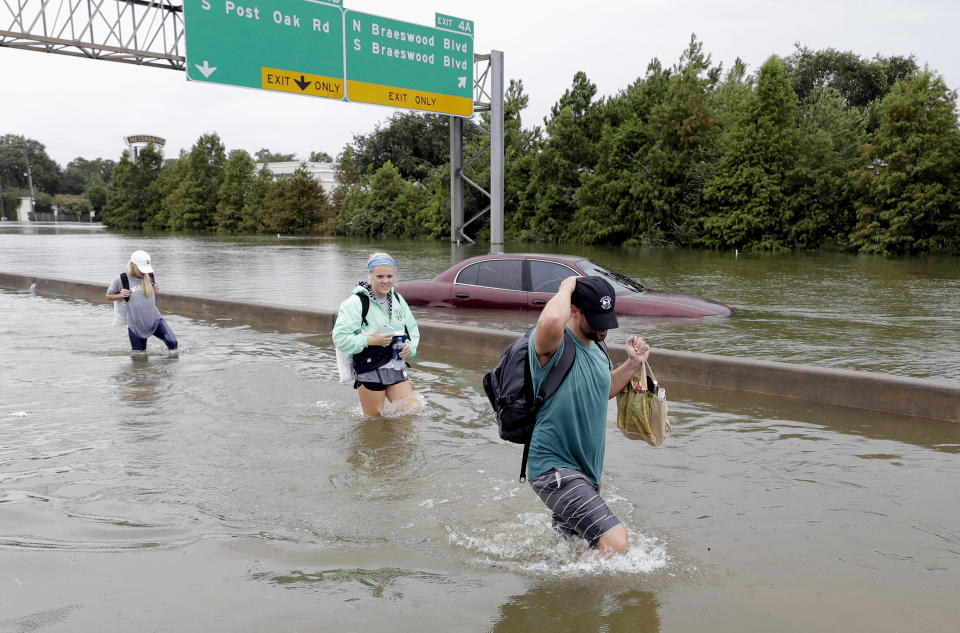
column 142, row 313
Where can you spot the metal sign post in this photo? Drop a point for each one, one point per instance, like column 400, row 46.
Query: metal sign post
column 495, row 106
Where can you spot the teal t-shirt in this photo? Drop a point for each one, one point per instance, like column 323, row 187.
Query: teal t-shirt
column 571, row 424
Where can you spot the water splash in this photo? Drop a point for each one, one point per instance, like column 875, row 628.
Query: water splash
column 531, row 545
column 412, row 405
column 323, row 406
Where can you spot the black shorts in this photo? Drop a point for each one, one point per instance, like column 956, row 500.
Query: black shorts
column 371, row 386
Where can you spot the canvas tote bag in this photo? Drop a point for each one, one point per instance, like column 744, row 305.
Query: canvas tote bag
column 642, row 408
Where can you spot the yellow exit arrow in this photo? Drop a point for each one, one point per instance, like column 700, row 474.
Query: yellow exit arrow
column 301, row 83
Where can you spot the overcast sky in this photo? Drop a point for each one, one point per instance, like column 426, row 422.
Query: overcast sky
column 82, row 107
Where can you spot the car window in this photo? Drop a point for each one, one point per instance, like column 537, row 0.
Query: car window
column 621, row 283
column 546, row 276
column 500, row 273
column 468, row 275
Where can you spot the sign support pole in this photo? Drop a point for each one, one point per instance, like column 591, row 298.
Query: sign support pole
column 456, row 182
column 495, row 106
column 496, row 152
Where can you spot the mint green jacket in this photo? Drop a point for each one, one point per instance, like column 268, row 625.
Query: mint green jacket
column 348, row 335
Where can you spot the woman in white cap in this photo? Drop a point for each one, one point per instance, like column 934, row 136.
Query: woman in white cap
column 136, row 287
column 378, row 333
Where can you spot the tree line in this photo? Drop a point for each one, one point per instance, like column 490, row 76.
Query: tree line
column 78, row 189
column 817, row 149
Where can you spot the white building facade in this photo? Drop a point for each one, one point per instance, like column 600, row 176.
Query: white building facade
column 321, row 172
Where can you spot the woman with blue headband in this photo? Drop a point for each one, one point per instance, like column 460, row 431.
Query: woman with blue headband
column 376, row 329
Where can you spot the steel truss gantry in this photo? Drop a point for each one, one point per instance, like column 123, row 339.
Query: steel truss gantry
column 142, row 32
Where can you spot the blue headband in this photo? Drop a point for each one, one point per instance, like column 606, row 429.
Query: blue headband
column 381, row 261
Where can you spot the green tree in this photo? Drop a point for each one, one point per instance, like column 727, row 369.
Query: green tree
column 661, row 180
column 166, row 190
column 10, row 201
column 297, row 205
column 260, row 189
column 748, row 192
column 130, row 197
column 547, row 205
column 820, row 207
column 320, row 157
column 383, row 205
column 859, row 81
column 347, row 175
column 731, row 96
column 79, row 171
column 16, row 152
column 415, row 144
column 235, row 214
column 73, row 205
column 43, row 202
column 908, row 179
column 521, row 147
column 95, row 189
column 266, row 156
column 605, row 201
column 195, row 205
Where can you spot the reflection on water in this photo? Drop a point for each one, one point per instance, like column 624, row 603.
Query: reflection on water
column 382, row 445
column 380, row 582
column 140, row 383
column 597, row 605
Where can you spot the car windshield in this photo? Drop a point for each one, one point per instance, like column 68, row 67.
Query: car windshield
column 621, row 283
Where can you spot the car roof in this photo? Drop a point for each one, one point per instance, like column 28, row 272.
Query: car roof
column 548, row 256
column 450, row 273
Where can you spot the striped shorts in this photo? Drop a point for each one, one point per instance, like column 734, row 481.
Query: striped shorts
column 576, row 504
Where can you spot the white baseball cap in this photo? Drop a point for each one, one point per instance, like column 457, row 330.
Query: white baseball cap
column 141, row 260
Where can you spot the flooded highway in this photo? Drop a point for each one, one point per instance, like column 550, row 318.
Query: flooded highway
column 235, row 485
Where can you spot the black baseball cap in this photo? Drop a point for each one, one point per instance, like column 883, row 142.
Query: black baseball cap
column 597, row 298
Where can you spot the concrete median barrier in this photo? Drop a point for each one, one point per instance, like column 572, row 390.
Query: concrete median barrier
column 884, row 393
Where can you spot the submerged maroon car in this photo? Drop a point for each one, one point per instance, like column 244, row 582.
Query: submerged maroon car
column 528, row 281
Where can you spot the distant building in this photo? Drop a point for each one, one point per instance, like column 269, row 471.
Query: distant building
column 25, row 210
column 138, row 141
column 322, row 172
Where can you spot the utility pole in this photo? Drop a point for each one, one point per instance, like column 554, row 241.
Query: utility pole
column 29, row 175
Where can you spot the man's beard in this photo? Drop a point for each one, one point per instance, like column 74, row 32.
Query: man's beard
column 596, row 335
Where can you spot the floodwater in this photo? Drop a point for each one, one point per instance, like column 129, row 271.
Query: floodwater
column 897, row 316
column 234, row 486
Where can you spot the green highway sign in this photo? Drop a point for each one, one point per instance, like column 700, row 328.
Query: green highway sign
column 406, row 65
column 318, row 48
column 288, row 46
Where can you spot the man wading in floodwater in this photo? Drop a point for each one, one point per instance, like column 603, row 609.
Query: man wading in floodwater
column 566, row 450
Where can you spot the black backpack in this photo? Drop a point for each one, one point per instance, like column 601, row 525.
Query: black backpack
column 509, row 386
column 125, row 282
column 372, row 358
